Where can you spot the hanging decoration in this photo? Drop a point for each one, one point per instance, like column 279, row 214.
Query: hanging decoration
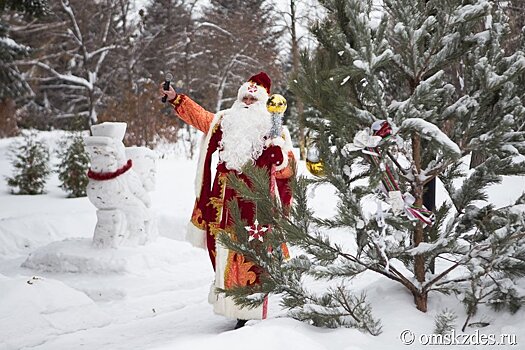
column 314, row 163
column 367, row 142
column 256, row 231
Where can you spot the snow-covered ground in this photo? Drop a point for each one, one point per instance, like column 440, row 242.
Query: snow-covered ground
column 70, row 296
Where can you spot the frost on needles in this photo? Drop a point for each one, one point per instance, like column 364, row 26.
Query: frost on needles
column 444, row 76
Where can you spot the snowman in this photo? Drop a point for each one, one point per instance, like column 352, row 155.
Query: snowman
column 119, row 193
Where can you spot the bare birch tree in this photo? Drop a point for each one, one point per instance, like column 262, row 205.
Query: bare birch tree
column 70, row 68
column 235, row 39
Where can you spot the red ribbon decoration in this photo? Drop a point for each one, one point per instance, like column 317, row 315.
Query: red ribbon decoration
column 384, row 130
column 111, row 175
column 389, row 182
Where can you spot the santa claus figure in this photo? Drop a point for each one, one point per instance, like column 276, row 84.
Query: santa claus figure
column 239, row 136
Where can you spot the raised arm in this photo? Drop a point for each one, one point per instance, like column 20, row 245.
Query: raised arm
column 188, row 110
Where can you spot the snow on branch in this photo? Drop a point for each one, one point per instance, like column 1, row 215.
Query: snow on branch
column 77, row 33
column 214, row 26
column 431, row 131
column 461, row 107
column 516, row 67
column 470, row 11
column 10, row 43
column 65, row 77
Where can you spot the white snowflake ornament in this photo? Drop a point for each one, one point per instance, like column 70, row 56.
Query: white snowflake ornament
column 256, row 231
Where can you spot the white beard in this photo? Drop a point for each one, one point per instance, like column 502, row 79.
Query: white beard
column 243, row 131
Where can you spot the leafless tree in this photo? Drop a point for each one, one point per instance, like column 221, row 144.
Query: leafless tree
column 233, row 40
column 69, row 70
column 294, row 18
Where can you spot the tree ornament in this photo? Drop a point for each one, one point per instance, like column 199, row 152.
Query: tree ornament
column 314, row 164
column 256, row 231
column 367, row 141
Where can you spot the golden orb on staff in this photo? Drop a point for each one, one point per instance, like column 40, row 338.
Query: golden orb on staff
column 276, row 104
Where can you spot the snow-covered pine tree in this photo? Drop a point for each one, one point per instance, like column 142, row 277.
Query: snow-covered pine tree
column 13, row 84
column 15, row 90
column 73, row 165
column 30, row 7
column 30, row 158
column 337, row 306
column 435, row 71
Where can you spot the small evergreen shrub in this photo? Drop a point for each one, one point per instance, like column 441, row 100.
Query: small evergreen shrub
column 73, row 165
column 30, row 160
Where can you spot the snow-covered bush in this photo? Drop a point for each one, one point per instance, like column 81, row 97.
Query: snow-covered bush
column 73, row 165
column 30, row 160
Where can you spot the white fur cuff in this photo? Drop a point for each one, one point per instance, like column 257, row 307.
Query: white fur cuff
column 279, row 141
column 196, row 236
column 254, row 90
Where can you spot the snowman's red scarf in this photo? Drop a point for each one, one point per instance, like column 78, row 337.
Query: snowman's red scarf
column 110, row 175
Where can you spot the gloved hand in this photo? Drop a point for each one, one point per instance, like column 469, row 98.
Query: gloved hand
column 170, row 92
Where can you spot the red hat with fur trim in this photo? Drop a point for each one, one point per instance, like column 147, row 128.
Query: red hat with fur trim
column 263, row 80
column 257, row 86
